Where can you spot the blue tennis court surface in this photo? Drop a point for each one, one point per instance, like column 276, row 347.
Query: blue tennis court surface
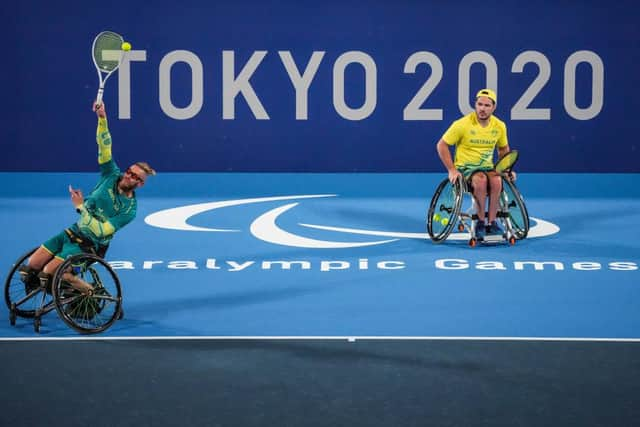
column 325, row 255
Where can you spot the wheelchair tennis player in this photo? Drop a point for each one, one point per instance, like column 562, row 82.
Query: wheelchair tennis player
column 107, row 209
column 475, row 137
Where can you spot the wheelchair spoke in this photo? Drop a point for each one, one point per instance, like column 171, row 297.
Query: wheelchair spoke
column 444, row 210
column 96, row 306
column 517, row 215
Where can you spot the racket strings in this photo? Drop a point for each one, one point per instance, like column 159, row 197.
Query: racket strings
column 107, row 41
column 507, row 161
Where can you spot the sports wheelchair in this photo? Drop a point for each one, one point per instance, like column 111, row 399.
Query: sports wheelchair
column 445, row 213
column 31, row 296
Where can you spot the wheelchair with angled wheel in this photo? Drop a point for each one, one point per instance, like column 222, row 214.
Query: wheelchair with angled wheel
column 450, row 208
column 88, row 310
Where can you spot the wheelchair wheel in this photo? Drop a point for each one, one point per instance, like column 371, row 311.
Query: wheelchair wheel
column 18, row 295
column 88, row 312
column 444, row 210
column 514, row 206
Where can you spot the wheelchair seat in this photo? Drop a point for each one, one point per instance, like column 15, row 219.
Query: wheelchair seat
column 446, row 212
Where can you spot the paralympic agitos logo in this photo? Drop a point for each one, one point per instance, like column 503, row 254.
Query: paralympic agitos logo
column 265, row 226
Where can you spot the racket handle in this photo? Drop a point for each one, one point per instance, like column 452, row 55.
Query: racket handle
column 99, row 96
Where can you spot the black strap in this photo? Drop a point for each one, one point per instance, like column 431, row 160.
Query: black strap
column 85, row 244
column 75, row 238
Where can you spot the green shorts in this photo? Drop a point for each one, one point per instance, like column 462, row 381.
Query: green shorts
column 467, row 172
column 61, row 246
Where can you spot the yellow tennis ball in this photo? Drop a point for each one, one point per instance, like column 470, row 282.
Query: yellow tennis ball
column 126, row 46
column 436, row 217
column 444, row 221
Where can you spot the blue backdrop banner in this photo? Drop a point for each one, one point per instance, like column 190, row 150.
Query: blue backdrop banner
column 334, row 86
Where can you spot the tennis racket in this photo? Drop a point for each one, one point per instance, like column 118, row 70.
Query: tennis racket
column 107, row 55
column 506, row 162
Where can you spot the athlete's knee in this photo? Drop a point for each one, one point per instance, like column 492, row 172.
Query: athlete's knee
column 496, row 184
column 479, row 177
column 479, row 184
column 39, row 258
column 51, row 267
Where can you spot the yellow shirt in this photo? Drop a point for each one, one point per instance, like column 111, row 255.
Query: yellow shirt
column 475, row 144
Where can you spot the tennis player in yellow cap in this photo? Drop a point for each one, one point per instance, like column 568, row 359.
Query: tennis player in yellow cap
column 475, row 137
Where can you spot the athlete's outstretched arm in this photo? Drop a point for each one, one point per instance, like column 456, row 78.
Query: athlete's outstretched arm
column 103, row 137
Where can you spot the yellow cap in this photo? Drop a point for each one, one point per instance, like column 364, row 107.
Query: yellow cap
column 489, row 94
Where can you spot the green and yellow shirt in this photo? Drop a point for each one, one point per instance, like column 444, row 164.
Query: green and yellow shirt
column 475, row 144
column 105, row 210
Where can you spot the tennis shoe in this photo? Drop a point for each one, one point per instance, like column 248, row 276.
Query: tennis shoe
column 495, row 229
column 481, row 230
column 29, row 277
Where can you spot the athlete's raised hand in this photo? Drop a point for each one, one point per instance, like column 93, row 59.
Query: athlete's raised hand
column 76, row 197
column 100, row 110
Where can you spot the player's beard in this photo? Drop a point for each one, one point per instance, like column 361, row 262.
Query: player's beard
column 124, row 187
column 483, row 118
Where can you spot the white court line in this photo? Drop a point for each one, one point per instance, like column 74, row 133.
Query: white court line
column 314, row 338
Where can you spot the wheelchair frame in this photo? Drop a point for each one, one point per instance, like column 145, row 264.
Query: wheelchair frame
column 445, row 210
column 85, row 313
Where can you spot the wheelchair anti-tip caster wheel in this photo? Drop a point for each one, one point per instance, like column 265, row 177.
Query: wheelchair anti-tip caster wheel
column 12, row 314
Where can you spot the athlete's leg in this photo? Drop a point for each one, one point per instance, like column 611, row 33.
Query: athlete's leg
column 78, row 283
column 53, row 265
column 40, row 258
column 479, row 189
column 52, row 254
column 495, row 188
column 48, row 250
column 478, row 184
